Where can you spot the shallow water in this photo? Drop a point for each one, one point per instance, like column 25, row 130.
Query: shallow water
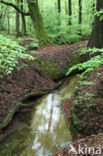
column 48, row 131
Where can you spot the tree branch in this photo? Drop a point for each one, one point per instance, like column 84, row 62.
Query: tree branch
column 15, row 7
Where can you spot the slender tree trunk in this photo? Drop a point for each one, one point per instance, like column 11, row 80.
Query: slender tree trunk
column 66, row 9
column 23, row 20
column 8, row 25
column 0, row 21
column 1, row 17
column 59, row 11
column 17, row 21
column 96, row 39
column 80, row 11
column 69, row 11
column 37, row 22
column 80, row 15
column 59, row 6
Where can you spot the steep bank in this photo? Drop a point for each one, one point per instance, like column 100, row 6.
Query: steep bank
column 85, row 112
column 87, row 109
column 35, row 79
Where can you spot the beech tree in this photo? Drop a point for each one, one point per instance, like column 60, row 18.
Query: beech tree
column 96, row 39
column 37, row 22
column 36, row 18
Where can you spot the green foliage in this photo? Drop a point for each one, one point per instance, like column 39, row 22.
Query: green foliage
column 32, row 46
column 57, row 24
column 85, row 83
column 10, row 53
column 99, row 14
column 91, row 64
column 99, row 74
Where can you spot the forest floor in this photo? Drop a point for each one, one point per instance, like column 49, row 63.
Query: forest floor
column 53, row 49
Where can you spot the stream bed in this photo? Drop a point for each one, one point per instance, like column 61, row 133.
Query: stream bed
column 48, row 130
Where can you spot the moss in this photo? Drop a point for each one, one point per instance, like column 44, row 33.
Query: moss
column 81, row 110
column 73, row 59
column 51, row 69
column 38, row 22
column 34, row 95
column 78, row 120
column 54, row 71
column 4, row 122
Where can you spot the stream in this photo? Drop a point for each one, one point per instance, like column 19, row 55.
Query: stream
column 48, row 130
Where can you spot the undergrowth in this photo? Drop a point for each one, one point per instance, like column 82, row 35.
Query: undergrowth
column 10, row 53
column 91, row 64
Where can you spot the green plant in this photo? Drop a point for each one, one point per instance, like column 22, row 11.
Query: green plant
column 85, row 83
column 99, row 74
column 10, row 53
column 91, row 64
column 99, row 14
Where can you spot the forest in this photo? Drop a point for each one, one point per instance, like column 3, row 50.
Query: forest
column 51, row 77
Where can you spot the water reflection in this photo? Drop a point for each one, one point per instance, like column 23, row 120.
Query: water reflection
column 48, row 131
column 49, row 125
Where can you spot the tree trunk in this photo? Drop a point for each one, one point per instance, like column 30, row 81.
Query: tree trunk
column 70, row 11
column 23, row 20
column 37, row 22
column 8, row 24
column 1, row 21
column 1, row 18
column 96, row 39
column 59, row 11
column 59, row 6
column 80, row 11
column 80, row 15
column 17, row 21
column 66, row 9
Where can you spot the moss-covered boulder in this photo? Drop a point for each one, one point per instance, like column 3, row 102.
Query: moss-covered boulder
column 87, row 109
